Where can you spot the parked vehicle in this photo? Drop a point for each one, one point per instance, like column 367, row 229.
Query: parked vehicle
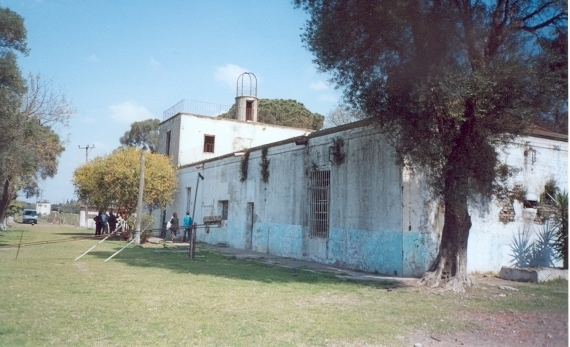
column 30, row 216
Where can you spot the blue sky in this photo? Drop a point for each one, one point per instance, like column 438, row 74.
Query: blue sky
column 124, row 61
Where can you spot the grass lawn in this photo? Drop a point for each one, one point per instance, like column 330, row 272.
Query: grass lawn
column 154, row 296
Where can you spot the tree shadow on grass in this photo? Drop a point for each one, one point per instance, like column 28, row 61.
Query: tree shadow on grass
column 213, row 263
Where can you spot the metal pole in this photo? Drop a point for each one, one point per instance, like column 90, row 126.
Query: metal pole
column 117, row 252
column 140, row 202
column 97, row 244
column 19, row 244
column 192, row 237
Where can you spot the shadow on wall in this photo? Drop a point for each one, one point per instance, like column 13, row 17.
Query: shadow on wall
column 539, row 252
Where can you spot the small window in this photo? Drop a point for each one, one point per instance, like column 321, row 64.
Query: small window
column 209, row 143
column 224, row 207
column 168, row 142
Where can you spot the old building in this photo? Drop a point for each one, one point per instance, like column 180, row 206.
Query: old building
column 336, row 196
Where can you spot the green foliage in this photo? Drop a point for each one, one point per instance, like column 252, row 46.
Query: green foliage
column 448, row 82
column 113, row 181
column 244, row 166
column 30, row 147
column 283, row 112
column 561, row 227
column 143, row 134
column 550, row 190
column 264, row 165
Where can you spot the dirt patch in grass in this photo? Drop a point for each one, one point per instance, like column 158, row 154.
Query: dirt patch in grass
column 508, row 328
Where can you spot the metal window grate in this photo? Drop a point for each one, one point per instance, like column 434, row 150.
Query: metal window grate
column 319, row 194
column 224, row 204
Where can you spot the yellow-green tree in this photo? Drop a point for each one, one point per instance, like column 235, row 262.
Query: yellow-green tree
column 113, row 181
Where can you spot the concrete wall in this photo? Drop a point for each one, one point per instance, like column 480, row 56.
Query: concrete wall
column 382, row 218
column 490, row 240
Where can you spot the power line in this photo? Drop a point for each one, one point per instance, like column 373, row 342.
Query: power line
column 86, row 148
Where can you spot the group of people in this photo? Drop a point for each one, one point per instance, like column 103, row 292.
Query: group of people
column 173, row 226
column 107, row 223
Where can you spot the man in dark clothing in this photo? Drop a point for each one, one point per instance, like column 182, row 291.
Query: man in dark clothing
column 98, row 223
column 112, row 222
column 174, row 225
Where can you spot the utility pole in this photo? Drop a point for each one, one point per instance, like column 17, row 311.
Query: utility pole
column 192, row 236
column 140, row 202
column 86, row 148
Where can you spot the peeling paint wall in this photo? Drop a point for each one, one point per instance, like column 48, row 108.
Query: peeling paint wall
column 382, row 218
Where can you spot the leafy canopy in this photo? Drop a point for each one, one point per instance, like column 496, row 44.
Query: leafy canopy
column 143, row 134
column 113, row 180
column 289, row 113
column 441, row 77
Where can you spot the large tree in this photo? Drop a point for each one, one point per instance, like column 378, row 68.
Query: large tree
column 143, row 134
column 448, row 81
column 284, row 112
column 113, row 180
column 29, row 109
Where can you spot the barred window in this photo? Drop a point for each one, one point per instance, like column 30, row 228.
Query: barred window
column 319, row 192
column 224, row 207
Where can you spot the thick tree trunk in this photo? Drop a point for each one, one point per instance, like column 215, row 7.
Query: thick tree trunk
column 449, row 268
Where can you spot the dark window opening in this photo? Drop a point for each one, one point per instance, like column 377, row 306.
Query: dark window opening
column 249, row 110
column 224, row 205
column 209, row 143
column 168, row 142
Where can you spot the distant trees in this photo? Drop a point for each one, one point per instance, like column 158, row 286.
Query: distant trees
column 448, row 83
column 284, row 112
column 143, row 134
column 342, row 114
column 29, row 111
column 113, row 180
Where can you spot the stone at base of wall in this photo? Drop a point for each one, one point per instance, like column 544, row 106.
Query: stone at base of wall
column 532, row 274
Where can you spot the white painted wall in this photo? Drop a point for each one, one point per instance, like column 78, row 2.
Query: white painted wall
column 43, row 208
column 490, row 240
column 188, row 131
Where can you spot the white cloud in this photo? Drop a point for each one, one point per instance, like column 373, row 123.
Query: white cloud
column 320, row 85
column 229, row 74
column 327, row 97
column 128, row 112
column 155, row 63
column 92, row 58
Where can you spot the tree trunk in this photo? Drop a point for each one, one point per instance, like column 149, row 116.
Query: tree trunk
column 449, row 269
column 5, row 199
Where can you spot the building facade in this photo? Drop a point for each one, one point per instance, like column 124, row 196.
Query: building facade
column 336, row 196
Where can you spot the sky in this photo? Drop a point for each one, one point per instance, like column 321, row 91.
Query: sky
column 125, row 61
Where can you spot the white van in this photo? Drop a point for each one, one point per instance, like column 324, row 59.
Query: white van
column 30, row 216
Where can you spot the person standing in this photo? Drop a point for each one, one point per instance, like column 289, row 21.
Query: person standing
column 112, row 222
column 98, row 223
column 104, row 225
column 174, row 223
column 187, row 225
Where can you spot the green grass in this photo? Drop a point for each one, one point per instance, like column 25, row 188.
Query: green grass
column 149, row 296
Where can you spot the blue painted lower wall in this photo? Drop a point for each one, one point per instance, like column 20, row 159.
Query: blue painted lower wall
column 384, row 252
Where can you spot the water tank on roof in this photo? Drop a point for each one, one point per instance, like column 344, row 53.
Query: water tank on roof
column 246, row 97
